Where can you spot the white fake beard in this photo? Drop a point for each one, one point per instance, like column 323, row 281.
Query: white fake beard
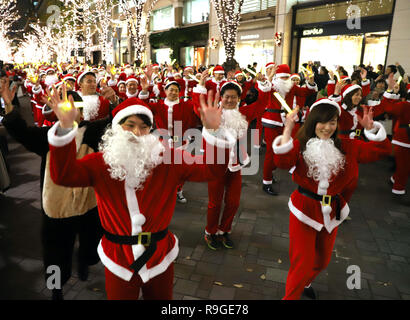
column 235, row 122
column 129, row 95
column 129, row 157
column 50, row 80
column 91, row 107
column 282, row 86
column 323, row 159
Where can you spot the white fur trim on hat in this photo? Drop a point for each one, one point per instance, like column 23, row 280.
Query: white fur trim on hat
column 83, row 75
column 279, row 75
column 350, row 89
column 233, row 82
column 131, row 79
column 132, row 110
column 328, row 101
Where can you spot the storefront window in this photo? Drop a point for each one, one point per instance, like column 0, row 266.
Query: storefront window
column 375, row 48
column 195, row 11
column 248, row 52
column 162, row 19
column 332, row 51
column 193, row 56
column 162, row 55
column 257, row 5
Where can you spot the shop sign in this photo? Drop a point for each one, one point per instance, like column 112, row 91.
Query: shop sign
column 314, row 31
column 250, row 37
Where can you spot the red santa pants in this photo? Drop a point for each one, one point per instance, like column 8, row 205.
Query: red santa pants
column 257, row 134
column 310, row 252
column 402, row 173
column 268, row 164
column 158, row 288
column 232, row 182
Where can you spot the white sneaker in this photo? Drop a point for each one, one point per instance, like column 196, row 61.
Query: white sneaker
column 180, row 197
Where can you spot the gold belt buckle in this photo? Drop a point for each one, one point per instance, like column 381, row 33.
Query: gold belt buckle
column 358, row 132
column 326, row 200
column 141, row 234
column 176, row 138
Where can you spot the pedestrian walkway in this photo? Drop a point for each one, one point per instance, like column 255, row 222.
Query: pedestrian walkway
column 377, row 239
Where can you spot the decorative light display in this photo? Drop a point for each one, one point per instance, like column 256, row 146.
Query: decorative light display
column 228, row 13
column 213, row 43
column 8, row 15
column 278, row 38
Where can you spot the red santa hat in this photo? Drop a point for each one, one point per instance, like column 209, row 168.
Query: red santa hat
column 232, row 82
column 349, row 88
column 130, row 79
column 83, row 74
column 50, row 69
column 189, row 68
column 327, row 101
column 238, row 73
column 269, row 65
column 123, row 76
column 168, row 83
column 69, row 77
column 408, row 87
column 344, row 78
column 120, row 82
column 218, row 69
column 282, row 71
column 295, row 75
column 155, row 65
column 129, row 107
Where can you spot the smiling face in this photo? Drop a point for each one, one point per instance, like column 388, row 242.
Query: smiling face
column 230, row 99
column 172, row 92
column 132, row 87
column 88, row 84
column 357, row 97
column 325, row 130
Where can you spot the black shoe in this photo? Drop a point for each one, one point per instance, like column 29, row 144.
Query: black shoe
column 310, row 293
column 57, row 294
column 401, row 199
column 269, row 190
column 212, row 241
column 227, row 241
column 82, row 271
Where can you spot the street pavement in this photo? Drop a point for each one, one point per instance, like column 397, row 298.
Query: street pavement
column 377, row 240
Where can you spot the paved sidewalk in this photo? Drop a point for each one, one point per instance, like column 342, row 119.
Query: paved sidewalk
column 377, row 239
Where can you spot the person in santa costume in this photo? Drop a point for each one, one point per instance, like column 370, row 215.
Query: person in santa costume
column 246, row 83
column 400, row 111
column 67, row 212
column 218, row 79
column 132, row 85
column 274, row 115
column 173, row 116
column 96, row 105
column 324, row 165
column 135, row 178
column 228, row 186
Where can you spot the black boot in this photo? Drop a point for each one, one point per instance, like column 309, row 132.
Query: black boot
column 269, row 190
column 309, row 292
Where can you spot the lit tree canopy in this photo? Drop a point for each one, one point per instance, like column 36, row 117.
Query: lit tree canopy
column 8, row 15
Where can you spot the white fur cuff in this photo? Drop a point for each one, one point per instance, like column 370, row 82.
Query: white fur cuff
column 61, row 141
column 335, row 99
column 200, row 89
column 112, row 83
column 228, row 142
column 365, row 83
column 37, row 89
column 284, row 148
column 331, row 82
column 389, row 95
column 265, row 86
column 143, row 96
column 372, row 135
column 309, row 86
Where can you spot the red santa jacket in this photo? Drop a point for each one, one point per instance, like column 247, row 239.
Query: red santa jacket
column 272, row 116
column 124, row 211
column 214, row 85
column 310, row 211
column 331, row 84
column 103, row 109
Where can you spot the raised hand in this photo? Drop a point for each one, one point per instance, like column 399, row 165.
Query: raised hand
column 204, row 76
column 108, row 93
column 211, row 113
column 63, row 107
column 338, row 87
column 7, row 94
column 390, row 81
column 144, row 83
column 367, row 120
column 363, row 73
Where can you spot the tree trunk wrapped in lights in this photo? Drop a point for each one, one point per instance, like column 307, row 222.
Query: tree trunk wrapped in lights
column 228, row 13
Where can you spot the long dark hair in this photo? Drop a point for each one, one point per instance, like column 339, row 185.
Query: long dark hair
column 321, row 113
column 348, row 99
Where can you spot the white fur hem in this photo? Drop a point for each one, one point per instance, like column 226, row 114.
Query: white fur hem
column 272, row 122
column 372, row 135
column 220, row 143
column 401, row 144
column 200, row 89
column 389, row 95
column 282, row 149
column 304, row 218
column 398, row 191
column 309, row 86
column 60, row 141
column 38, row 90
column 115, row 268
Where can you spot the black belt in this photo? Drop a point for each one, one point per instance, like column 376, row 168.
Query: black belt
column 404, row 126
column 325, row 199
column 147, row 239
column 357, row 131
column 275, row 110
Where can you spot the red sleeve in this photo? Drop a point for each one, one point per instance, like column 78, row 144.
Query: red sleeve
column 286, row 156
column 331, row 87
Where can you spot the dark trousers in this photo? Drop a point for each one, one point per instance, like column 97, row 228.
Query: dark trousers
column 58, row 240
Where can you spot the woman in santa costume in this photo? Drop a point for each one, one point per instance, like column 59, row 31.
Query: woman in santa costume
column 228, row 186
column 324, row 165
column 274, row 115
column 135, row 178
